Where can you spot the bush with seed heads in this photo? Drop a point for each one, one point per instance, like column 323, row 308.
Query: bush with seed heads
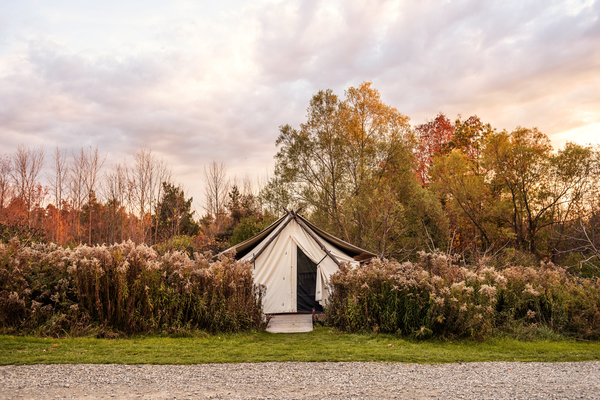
column 123, row 288
column 437, row 297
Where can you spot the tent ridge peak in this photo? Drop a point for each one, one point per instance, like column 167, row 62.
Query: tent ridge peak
column 318, row 235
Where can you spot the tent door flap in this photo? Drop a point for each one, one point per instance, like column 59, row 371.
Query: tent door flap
column 306, row 284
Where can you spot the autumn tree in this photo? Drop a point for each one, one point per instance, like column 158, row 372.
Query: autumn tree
column 433, row 138
column 76, row 189
column 386, row 208
column 6, row 195
column 512, row 187
column 277, row 194
column 216, row 189
column 469, row 137
column 57, row 178
column 440, row 136
column 116, row 189
column 5, row 180
column 351, row 165
column 575, row 235
column 27, row 166
column 92, row 163
column 146, row 176
column 469, row 200
column 521, row 166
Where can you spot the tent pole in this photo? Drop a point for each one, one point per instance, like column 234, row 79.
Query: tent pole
column 314, row 237
column 283, row 225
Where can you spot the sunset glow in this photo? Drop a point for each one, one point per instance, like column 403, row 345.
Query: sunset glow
column 197, row 81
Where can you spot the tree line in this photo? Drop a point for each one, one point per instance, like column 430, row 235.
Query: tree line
column 83, row 204
column 357, row 168
column 366, row 175
column 72, row 198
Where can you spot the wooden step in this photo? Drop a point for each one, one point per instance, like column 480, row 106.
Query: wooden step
column 290, row 323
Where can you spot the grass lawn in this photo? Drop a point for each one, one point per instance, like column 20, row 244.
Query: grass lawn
column 322, row 344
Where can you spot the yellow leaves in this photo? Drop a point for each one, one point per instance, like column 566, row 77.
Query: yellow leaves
column 368, row 121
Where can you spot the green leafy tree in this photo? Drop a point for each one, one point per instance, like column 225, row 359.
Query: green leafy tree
column 250, row 226
column 246, row 216
column 313, row 159
column 276, row 195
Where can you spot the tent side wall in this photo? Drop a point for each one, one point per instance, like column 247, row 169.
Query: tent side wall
column 276, row 268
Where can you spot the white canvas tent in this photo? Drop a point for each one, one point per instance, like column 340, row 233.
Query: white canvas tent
column 294, row 260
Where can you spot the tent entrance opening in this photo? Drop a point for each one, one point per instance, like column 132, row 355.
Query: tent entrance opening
column 307, row 284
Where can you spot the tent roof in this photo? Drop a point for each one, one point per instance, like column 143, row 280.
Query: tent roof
column 245, row 247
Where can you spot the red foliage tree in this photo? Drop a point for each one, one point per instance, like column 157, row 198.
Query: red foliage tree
column 433, row 137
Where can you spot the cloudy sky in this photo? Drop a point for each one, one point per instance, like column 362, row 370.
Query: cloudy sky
column 197, row 81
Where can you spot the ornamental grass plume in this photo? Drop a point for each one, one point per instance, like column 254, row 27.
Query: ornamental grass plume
column 125, row 288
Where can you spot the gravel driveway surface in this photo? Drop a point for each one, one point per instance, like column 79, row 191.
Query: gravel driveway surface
column 492, row 380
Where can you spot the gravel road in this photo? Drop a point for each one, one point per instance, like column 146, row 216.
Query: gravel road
column 493, row 380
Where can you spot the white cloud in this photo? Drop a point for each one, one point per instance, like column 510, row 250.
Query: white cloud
column 197, row 82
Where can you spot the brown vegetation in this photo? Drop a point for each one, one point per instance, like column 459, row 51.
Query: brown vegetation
column 123, row 288
column 437, row 297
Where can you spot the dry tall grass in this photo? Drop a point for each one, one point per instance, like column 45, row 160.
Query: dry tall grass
column 437, row 297
column 123, row 288
column 129, row 288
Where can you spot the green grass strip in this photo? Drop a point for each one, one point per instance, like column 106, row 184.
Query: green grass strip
column 322, row 344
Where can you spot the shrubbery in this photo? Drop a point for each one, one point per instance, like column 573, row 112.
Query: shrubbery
column 123, row 288
column 437, row 297
column 129, row 288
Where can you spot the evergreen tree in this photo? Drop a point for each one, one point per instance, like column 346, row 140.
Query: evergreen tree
column 174, row 214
